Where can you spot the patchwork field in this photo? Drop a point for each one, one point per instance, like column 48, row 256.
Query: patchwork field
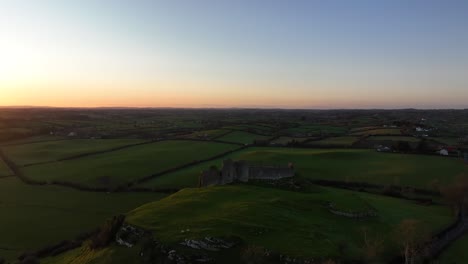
column 381, row 131
column 122, row 166
column 395, row 138
column 286, row 140
column 267, row 217
column 335, row 141
column 338, row 164
column 242, row 137
column 33, row 217
column 55, row 150
column 317, row 130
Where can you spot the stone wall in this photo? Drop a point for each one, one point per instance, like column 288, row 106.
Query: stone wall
column 241, row 171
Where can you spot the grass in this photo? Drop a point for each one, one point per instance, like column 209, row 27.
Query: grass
column 33, row 216
column 4, row 170
column 113, row 254
column 318, row 129
column 122, row 166
column 446, row 140
column 55, row 150
column 395, row 138
column 207, row 134
column 381, row 131
column 337, row 164
column 242, row 137
column 456, row 253
column 288, row 222
column 336, row 141
column 286, row 140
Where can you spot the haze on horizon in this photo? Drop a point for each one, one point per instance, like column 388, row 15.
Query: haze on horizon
column 282, row 54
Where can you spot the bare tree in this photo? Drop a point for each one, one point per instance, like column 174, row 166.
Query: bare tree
column 410, row 235
column 456, row 194
column 372, row 246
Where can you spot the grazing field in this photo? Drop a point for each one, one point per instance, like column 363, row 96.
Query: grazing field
column 269, row 217
column 456, row 253
column 286, row 140
column 33, row 217
column 4, row 170
column 338, row 164
column 55, row 150
column 317, row 130
column 242, row 137
column 335, row 141
column 395, row 138
column 382, row 131
column 207, row 134
column 446, row 140
column 123, row 166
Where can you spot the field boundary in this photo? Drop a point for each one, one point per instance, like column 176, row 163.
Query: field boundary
column 91, row 153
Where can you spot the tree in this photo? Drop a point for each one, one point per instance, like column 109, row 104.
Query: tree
column 372, row 246
column 410, row 235
column 456, row 194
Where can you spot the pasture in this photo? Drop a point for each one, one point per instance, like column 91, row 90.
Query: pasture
column 242, row 137
column 122, row 166
column 335, row 141
column 456, row 253
column 55, row 150
column 394, row 138
column 4, row 170
column 380, row 131
column 33, row 216
column 268, row 217
column 338, row 164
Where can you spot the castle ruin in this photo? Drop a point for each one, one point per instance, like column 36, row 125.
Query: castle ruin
column 241, row 171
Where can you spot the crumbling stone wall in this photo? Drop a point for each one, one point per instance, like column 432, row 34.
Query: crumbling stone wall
column 241, row 171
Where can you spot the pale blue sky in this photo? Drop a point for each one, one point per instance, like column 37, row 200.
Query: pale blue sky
column 295, row 54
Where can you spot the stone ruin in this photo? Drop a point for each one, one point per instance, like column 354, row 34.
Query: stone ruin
column 241, row 171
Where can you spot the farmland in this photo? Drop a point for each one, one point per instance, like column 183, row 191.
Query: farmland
column 412, row 170
column 75, row 169
column 33, row 217
column 126, row 165
column 40, row 152
column 242, row 137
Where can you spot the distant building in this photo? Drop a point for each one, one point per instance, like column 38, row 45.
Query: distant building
column 241, row 171
column 443, row 152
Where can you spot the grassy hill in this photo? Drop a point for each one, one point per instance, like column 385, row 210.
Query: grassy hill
column 33, row 217
column 292, row 223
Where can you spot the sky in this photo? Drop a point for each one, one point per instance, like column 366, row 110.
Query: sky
column 244, row 53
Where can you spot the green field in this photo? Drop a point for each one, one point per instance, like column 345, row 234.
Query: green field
column 242, row 137
column 335, row 141
column 122, row 166
column 286, row 140
column 381, row 131
column 317, row 130
column 4, row 170
column 446, row 140
column 395, row 138
column 456, row 253
column 337, row 164
column 207, row 134
column 33, row 217
column 269, row 217
column 55, row 150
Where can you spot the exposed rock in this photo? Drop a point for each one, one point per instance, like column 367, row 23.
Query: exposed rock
column 208, row 243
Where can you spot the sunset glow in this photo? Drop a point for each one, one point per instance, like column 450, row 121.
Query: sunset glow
column 297, row 54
